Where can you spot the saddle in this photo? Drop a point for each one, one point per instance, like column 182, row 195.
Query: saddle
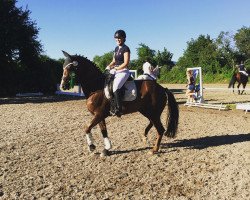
column 129, row 91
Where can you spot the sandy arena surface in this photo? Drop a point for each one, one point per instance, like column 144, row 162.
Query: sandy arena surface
column 43, row 152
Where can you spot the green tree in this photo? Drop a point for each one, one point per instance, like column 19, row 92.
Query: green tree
column 226, row 50
column 242, row 40
column 144, row 53
column 102, row 61
column 164, row 58
column 201, row 52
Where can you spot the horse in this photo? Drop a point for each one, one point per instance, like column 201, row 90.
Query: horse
column 150, row 102
column 241, row 79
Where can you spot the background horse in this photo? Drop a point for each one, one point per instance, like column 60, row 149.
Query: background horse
column 241, row 79
column 150, row 102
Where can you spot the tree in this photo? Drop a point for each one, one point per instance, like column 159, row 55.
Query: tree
column 50, row 74
column 201, row 52
column 242, row 40
column 144, row 54
column 18, row 35
column 103, row 61
column 23, row 68
column 164, row 58
column 226, row 50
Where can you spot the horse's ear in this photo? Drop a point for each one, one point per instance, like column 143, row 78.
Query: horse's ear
column 66, row 54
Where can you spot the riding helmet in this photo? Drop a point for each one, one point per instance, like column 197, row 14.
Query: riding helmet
column 120, row 34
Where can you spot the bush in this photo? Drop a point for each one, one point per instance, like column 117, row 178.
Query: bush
column 178, row 75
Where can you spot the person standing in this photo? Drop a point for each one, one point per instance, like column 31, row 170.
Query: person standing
column 149, row 70
column 190, row 86
column 119, row 67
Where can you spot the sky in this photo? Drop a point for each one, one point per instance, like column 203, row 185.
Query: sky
column 87, row 27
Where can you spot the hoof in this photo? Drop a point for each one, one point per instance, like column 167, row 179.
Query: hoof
column 105, row 153
column 91, row 147
column 152, row 152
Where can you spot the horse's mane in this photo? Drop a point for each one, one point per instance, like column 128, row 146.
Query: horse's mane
column 89, row 62
column 94, row 80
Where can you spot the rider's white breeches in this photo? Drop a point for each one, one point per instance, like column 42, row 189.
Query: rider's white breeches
column 120, row 79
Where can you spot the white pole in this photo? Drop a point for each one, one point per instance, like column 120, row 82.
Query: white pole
column 201, row 86
column 201, row 100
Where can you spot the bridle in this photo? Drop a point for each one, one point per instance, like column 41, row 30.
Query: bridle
column 66, row 74
column 74, row 63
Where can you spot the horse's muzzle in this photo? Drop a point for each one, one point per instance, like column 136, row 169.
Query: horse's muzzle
column 65, row 85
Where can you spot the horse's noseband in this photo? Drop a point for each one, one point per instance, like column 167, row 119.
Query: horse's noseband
column 66, row 78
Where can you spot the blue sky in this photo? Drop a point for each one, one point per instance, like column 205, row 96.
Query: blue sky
column 87, row 27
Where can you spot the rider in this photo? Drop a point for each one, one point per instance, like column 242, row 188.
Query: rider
column 119, row 66
column 242, row 68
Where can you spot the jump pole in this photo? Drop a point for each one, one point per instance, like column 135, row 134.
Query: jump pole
column 225, row 89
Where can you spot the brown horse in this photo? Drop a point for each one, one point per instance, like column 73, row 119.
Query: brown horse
column 150, row 102
column 241, row 79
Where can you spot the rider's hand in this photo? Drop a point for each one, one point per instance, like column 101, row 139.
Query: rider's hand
column 112, row 71
column 107, row 68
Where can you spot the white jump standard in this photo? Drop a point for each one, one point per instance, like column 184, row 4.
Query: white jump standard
column 199, row 99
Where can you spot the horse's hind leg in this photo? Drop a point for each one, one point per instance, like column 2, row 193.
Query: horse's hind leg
column 147, row 114
column 147, row 129
column 244, row 85
column 160, row 130
column 107, row 143
column 238, row 86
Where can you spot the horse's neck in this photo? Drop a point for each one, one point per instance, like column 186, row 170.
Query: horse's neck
column 89, row 87
column 93, row 83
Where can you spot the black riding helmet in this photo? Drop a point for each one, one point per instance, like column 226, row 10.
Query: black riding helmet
column 120, row 34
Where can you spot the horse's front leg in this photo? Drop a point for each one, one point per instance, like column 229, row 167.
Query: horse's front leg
column 97, row 119
column 107, row 142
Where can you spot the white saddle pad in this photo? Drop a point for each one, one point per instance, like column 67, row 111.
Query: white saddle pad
column 130, row 91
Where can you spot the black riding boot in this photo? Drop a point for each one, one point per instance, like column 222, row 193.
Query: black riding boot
column 118, row 102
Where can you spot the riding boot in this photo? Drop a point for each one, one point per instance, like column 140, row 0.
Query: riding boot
column 118, row 101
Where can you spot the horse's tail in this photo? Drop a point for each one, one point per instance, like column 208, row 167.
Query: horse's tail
column 173, row 115
column 232, row 81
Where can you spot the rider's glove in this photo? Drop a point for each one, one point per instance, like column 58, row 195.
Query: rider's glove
column 112, row 71
column 107, row 68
